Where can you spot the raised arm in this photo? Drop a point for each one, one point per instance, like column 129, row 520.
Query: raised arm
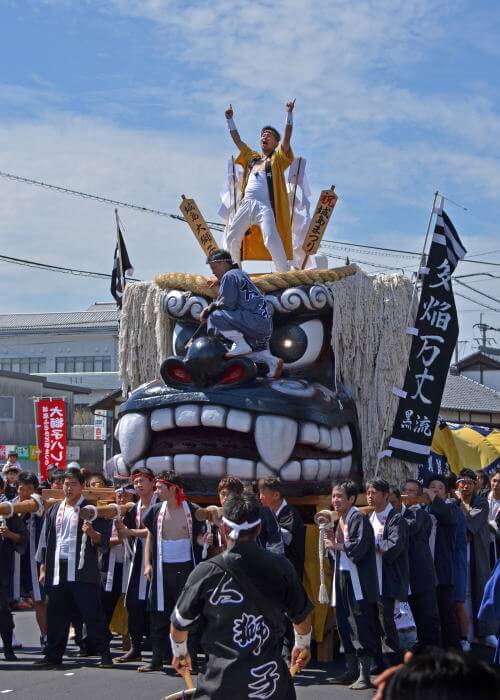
column 232, row 128
column 288, row 127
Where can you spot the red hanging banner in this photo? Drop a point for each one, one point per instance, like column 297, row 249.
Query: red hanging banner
column 51, row 433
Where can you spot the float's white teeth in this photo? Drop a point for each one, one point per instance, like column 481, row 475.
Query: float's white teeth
column 345, row 465
column 324, row 469
column 291, row 471
column 212, row 466
column 243, row 468
column 187, row 416
column 239, row 420
column 162, row 419
column 335, row 468
column 134, row 436
column 336, row 440
column 308, row 433
column 160, row 464
column 310, row 469
column 187, row 464
column 324, row 438
column 262, row 470
column 346, row 437
column 275, row 438
column 213, row 416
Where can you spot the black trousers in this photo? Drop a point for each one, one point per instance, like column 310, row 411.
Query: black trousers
column 356, row 619
column 174, row 578
column 388, row 631
column 110, row 598
column 61, row 601
column 6, row 619
column 425, row 612
column 449, row 623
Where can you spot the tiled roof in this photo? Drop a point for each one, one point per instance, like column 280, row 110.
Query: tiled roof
column 21, row 376
column 99, row 318
column 490, row 358
column 464, row 394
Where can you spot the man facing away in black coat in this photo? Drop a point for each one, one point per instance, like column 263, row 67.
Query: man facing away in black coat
column 422, row 597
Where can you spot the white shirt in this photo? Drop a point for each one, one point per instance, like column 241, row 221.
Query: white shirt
column 378, row 521
column 176, row 551
column 66, row 530
column 494, row 507
column 403, row 617
column 257, row 187
column 119, row 553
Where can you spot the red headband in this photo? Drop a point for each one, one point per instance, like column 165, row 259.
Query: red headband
column 180, row 496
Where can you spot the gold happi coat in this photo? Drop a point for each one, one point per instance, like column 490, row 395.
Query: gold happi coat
column 253, row 244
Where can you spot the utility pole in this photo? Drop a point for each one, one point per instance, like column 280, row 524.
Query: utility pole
column 483, row 329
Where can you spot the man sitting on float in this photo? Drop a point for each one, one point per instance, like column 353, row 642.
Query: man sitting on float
column 240, row 313
column 265, row 199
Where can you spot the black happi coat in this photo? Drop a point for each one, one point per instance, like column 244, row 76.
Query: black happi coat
column 478, row 533
column 270, row 533
column 29, row 568
column 422, row 572
column 151, row 522
column 359, row 547
column 394, row 549
column 446, row 535
column 89, row 573
column 293, row 533
column 243, row 644
column 7, row 550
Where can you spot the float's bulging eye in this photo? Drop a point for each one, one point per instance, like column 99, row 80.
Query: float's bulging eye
column 298, row 345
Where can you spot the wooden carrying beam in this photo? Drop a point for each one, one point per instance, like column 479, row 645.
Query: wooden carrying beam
column 31, row 506
column 92, row 495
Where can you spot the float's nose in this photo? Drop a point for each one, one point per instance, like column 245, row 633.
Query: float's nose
column 205, row 365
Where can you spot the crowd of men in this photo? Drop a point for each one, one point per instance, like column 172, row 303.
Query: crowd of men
column 409, row 574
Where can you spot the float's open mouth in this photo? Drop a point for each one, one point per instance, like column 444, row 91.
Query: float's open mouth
column 213, row 440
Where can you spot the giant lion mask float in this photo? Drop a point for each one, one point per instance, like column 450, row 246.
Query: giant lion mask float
column 341, row 336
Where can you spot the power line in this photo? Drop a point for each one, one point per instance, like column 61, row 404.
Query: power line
column 477, row 291
column 479, row 303
column 368, row 250
column 105, row 200
column 58, row 268
column 398, row 250
column 365, row 262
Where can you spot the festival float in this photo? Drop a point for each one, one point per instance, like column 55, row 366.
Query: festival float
column 348, row 344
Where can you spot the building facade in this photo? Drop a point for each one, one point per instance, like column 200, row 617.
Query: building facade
column 483, row 366
column 77, row 348
column 17, row 414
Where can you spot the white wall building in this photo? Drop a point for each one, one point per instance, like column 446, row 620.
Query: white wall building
column 77, row 348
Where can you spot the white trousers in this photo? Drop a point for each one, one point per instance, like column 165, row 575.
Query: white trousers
column 251, row 212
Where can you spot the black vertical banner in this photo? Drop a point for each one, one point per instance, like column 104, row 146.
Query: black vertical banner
column 121, row 266
column 434, row 338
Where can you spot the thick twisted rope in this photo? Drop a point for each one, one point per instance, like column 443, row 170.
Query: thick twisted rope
column 272, row 282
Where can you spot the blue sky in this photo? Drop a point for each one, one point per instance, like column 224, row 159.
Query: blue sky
column 126, row 98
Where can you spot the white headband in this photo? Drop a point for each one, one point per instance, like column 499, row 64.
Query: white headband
column 236, row 527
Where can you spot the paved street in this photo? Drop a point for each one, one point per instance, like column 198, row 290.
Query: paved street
column 21, row 680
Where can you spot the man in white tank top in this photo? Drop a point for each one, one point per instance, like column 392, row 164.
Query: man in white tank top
column 265, row 201
column 173, row 548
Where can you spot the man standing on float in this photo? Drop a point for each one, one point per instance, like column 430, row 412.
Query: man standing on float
column 264, row 195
